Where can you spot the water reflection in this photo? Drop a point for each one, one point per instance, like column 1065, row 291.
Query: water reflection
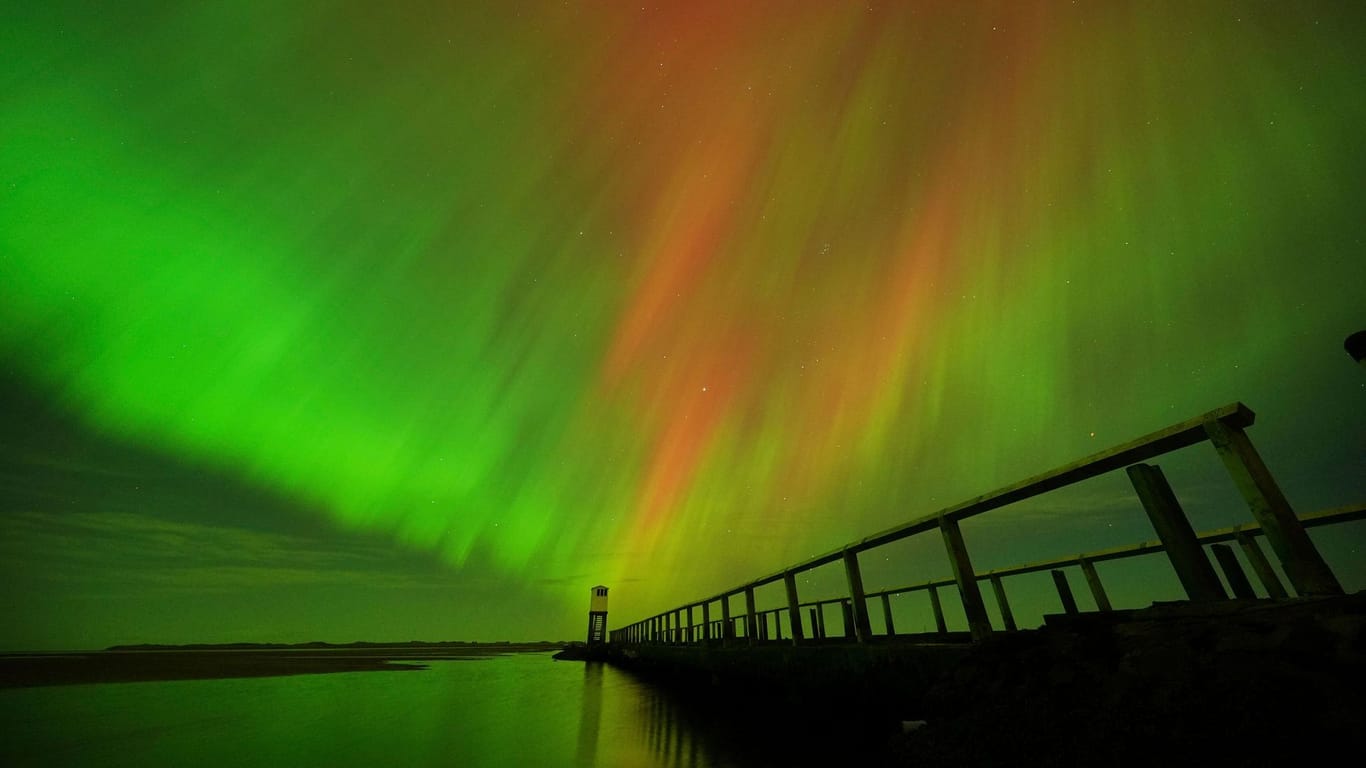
column 590, row 713
column 671, row 734
column 643, row 725
column 508, row 711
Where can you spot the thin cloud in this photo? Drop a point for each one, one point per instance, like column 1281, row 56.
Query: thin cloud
column 143, row 552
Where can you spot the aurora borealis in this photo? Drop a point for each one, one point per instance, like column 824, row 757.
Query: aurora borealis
column 370, row 321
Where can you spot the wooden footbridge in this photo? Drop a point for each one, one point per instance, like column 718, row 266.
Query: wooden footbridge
column 711, row 621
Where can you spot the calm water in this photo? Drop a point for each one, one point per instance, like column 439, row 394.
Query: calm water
column 517, row 710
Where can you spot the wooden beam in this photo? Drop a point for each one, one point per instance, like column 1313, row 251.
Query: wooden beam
column 887, row 615
column 1188, row 432
column 1088, row 569
column 1260, row 565
column 978, row 623
column 1174, row 529
column 1007, row 618
column 1233, row 572
column 938, row 608
column 794, row 611
column 860, row 628
column 751, row 620
column 1304, row 566
column 1069, row 603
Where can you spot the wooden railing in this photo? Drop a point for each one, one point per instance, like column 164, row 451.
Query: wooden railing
column 1223, row 428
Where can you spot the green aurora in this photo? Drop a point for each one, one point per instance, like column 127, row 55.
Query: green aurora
column 329, row 320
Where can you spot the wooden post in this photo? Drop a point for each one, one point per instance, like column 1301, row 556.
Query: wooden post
column 794, row 610
column 887, row 615
column 815, row 625
column 706, row 622
column 820, row 617
column 751, row 620
column 859, row 626
column 1007, row 618
column 1174, row 529
column 1303, row 564
column 848, row 610
column 1069, row 603
column 1233, row 572
column 691, row 631
column 1260, row 565
column 939, row 623
column 1088, row 570
column 976, row 611
column 727, row 629
column 777, row 624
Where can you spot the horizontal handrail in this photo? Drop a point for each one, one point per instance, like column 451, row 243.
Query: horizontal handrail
column 1343, row 514
column 1175, row 437
column 1223, row 427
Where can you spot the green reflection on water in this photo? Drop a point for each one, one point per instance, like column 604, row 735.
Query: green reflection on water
column 519, row 710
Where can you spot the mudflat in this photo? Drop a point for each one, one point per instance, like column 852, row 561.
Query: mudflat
column 141, row 663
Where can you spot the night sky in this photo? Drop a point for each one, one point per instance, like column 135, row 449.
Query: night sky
column 356, row 320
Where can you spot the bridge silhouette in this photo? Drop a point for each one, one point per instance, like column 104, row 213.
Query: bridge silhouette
column 696, row 625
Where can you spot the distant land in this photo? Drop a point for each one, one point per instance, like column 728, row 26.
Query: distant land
column 144, row 662
column 318, row 644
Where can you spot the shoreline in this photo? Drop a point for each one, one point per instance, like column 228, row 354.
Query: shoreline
column 160, row 664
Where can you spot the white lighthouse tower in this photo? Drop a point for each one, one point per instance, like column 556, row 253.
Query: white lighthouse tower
column 597, row 616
